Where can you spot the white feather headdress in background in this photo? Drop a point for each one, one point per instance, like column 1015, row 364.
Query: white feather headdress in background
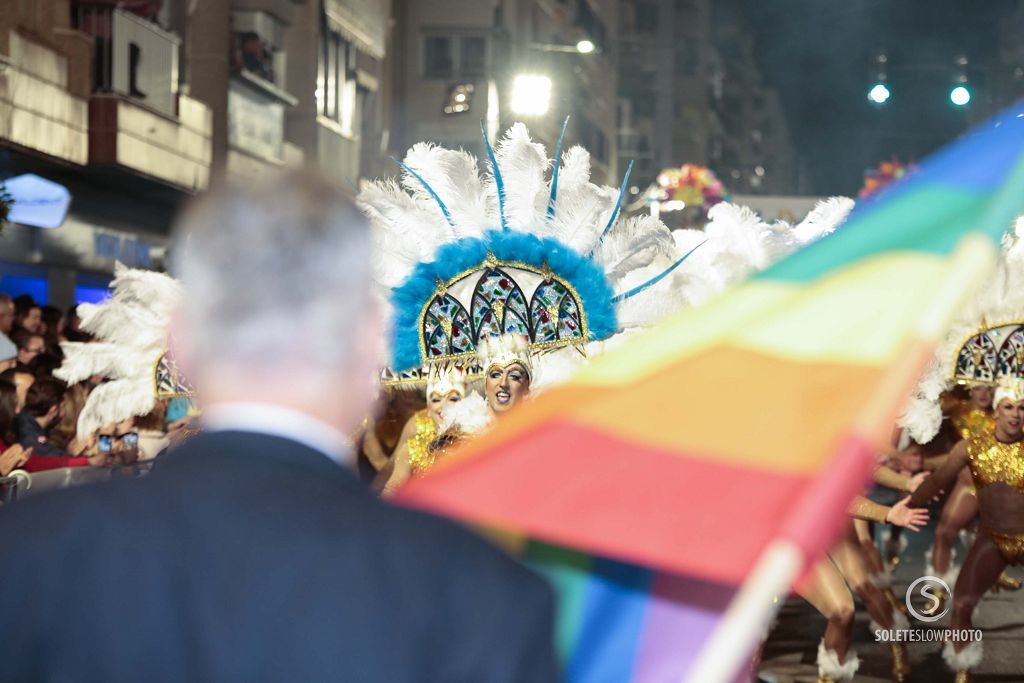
column 131, row 330
column 993, row 316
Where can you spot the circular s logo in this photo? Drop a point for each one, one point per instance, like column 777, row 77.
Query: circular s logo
column 928, row 587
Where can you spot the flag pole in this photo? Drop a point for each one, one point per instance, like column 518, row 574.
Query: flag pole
column 745, row 622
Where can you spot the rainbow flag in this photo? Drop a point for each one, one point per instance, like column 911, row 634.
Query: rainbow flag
column 724, row 444
column 622, row 622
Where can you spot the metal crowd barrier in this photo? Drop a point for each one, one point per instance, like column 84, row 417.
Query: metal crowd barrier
column 20, row 484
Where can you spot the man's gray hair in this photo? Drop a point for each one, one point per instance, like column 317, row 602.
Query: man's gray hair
column 275, row 273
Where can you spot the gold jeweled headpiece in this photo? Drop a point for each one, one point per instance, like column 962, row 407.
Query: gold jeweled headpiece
column 1009, row 388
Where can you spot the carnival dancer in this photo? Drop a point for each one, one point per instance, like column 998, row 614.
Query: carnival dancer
column 968, row 418
column 897, row 484
column 985, row 345
column 412, row 455
column 995, row 459
column 826, row 589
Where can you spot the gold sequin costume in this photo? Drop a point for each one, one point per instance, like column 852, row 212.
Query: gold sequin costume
column 969, row 421
column 994, row 462
column 421, row 458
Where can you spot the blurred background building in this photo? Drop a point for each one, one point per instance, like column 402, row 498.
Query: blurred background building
column 457, row 63
column 692, row 92
column 136, row 105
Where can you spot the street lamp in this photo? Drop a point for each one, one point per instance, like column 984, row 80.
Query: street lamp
column 879, row 93
column 960, row 95
column 585, row 46
column 531, row 94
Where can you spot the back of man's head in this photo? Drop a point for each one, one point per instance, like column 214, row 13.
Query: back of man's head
column 43, row 395
column 277, row 278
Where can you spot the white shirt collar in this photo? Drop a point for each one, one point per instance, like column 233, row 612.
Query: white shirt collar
column 277, row 420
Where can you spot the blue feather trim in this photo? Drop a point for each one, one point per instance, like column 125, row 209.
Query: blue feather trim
column 428, row 188
column 554, row 175
column 585, row 276
column 498, row 182
column 656, row 279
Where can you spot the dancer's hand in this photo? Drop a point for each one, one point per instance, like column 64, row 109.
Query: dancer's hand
column 901, row 514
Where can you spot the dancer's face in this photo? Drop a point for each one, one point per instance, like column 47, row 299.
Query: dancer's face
column 437, row 402
column 1010, row 418
column 981, row 396
column 506, row 386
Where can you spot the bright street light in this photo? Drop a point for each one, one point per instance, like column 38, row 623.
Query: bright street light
column 960, row 96
column 879, row 93
column 531, row 94
column 585, row 46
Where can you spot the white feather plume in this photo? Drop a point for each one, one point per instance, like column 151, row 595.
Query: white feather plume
column 454, row 176
column 634, row 243
column 84, row 360
column 131, row 331
column 581, row 207
column 405, row 233
column 115, row 401
column 470, row 415
column 523, row 163
column 826, row 216
column 922, row 418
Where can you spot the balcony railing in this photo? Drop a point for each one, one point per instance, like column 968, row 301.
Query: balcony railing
column 133, row 57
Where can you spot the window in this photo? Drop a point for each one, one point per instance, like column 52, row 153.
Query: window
column 452, row 57
column 256, row 45
column 438, row 57
column 336, row 93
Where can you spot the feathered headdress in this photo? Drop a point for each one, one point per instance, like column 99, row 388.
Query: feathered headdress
column 462, row 258
column 985, row 345
column 130, row 352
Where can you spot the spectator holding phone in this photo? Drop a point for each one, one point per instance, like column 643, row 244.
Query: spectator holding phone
column 151, row 432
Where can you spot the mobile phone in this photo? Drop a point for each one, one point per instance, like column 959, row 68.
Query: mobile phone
column 130, row 440
column 104, row 442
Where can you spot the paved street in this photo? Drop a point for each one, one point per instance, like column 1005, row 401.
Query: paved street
column 789, row 655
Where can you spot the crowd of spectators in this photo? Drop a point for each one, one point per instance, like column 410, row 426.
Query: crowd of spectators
column 39, row 412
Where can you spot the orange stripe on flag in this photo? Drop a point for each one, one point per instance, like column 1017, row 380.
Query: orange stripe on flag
column 716, row 402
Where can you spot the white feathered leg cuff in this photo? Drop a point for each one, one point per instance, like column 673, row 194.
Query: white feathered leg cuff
column 966, row 659
column 829, row 665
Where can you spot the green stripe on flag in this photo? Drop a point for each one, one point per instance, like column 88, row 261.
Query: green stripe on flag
column 933, row 219
column 567, row 571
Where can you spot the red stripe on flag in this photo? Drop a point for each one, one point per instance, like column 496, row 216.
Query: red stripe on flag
column 689, row 515
column 816, row 519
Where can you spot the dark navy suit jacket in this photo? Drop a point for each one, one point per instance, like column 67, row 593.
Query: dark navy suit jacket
column 245, row 557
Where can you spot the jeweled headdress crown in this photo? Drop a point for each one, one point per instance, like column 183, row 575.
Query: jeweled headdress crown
column 464, row 258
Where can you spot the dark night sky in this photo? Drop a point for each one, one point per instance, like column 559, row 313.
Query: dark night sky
column 817, row 54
